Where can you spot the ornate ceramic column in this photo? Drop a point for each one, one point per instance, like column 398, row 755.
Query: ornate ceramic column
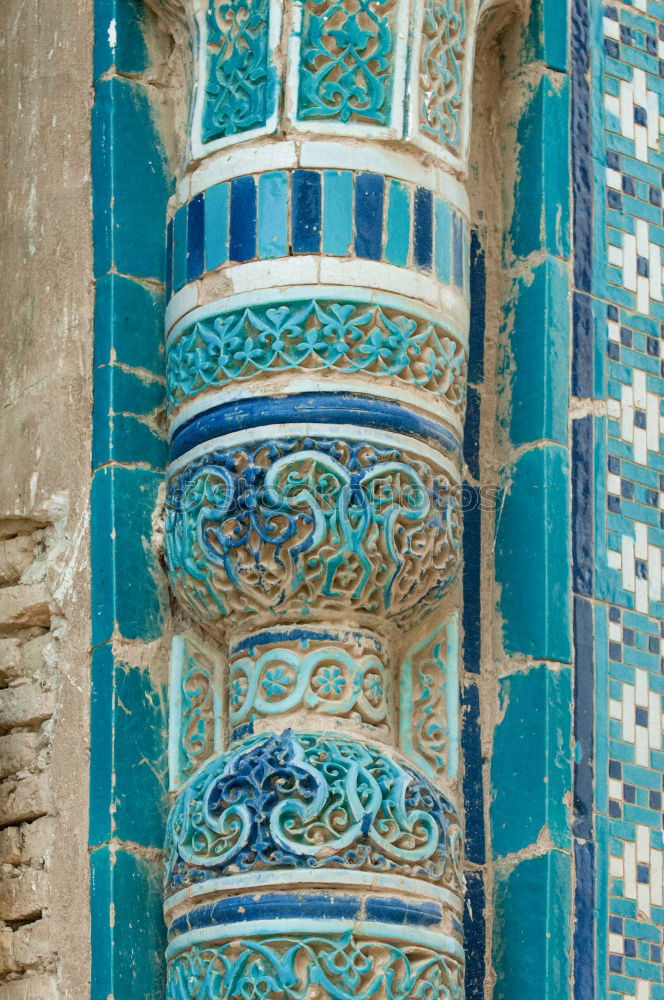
column 316, row 342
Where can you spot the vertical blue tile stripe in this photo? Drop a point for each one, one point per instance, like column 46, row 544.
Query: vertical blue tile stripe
column 337, row 212
column 473, row 784
column 472, row 548
column 584, row 346
column 457, row 250
column 582, row 136
column 474, row 934
column 582, row 506
column 423, row 229
column 369, row 195
column 169, row 260
column 243, row 219
column 216, row 226
column 584, row 715
column 195, row 237
column 444, row 243
column 398, row 224
column 180, row 248
column 273, row 215
column 477, row 308
column 584, row 922
column 306, row 211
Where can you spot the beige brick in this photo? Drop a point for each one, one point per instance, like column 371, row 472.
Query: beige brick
column 16, row 554
column 32, row 944
column 37, row 653
column 24, row 606
column 10, row 660
column 26, row 799
column 37, row 840
column 8, row 962
column 30, row 988
column 23, row 896
column 10, row 846
column 17, row 752
column 25, row 704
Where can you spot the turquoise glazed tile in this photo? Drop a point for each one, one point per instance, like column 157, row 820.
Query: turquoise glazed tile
column 539, row 345
column 543, row 173
column 128, row 324
column 398, row 224
column 533, row 556
column 216, row 226
column 531, row 935
column 126, row 594
column 546, row 34
column 273, row 215
column 443, row 251
column 101, row 923
column 141, row 765
column 531, row 764
column 128, row 231
column 128, row 934
column 101, row 745
column 120, row 36
column 337, row 212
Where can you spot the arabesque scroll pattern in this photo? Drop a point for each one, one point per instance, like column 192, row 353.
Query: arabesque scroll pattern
column 316, row 375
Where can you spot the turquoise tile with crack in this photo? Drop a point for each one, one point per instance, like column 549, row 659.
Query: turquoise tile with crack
column 539, row 365
column 531, row 766
column 533, row 563
column 532, row 929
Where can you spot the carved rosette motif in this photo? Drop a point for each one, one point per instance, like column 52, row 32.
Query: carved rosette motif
column 317, row 340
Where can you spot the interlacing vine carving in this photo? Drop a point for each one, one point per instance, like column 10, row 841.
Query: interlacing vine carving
column 441, row 69
column 304, row 800
column 292, row 526
column 347, row 60
column 238, row 72
column 312, row 336
column 329, row 679
column 297, row 968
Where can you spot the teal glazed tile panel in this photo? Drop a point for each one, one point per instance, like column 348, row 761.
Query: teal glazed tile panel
column 543, row 172
column 128, row 737
column 531, row 952
column 539, row 368
column 531, row 778
column 533, row 556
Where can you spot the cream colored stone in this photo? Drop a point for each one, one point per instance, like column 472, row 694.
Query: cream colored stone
column 26, row 799
column 8, row 962
column 25, row 606
column 17, row 751
column 25, row 704
column 32, row 943
column 30, row 988
column 10, row 660
column 24, row 896
column 10, row 846
column 15, row 556
column 37, row 840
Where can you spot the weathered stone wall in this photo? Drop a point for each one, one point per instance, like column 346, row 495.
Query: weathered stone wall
column 45, row 287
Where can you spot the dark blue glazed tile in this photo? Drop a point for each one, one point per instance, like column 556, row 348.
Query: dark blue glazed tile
column 472, row 550
column 242, row 245
column 473, row 783
column 582, row 505
column 423, row 229
column 195, row 237
column 369, row 195
column 474, row 934
column 306, row 211
column 477, row 310
column 169, row 259
column 471, row 433
column 584, row 718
